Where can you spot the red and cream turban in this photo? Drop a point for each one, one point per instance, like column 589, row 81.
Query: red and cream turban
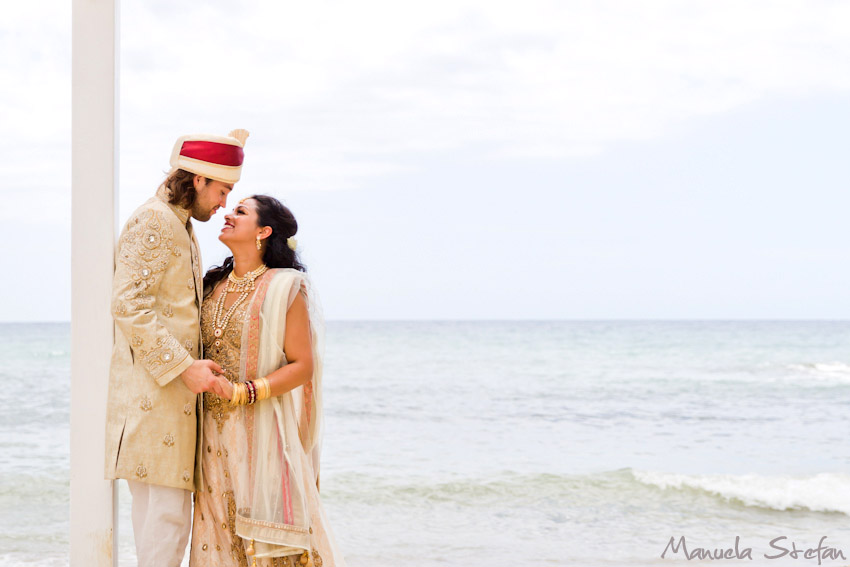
column 216, row 157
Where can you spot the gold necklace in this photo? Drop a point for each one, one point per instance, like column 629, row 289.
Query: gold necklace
column 244, row 285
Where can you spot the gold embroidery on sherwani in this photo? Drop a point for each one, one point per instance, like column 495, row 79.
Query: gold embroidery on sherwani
column 166, row 349
column 146, row 247
column 149, row 352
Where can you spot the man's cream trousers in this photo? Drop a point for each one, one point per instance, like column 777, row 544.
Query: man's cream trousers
column 162, row 522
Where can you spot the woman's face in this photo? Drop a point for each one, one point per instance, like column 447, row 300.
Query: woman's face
column 240, row 225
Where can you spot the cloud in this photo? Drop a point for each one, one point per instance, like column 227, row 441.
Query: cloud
column 35, row 103
column 342, row 91
column 342, row 95
column 35, row 72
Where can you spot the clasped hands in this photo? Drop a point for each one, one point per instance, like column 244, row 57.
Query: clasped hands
column 207, row 376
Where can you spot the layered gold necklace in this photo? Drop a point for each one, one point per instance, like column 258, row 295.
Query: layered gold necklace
column 244, row 285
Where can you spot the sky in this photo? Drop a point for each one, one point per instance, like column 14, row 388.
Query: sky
column 472, row 160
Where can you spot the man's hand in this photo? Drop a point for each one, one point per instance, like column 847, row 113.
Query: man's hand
column 201, row 377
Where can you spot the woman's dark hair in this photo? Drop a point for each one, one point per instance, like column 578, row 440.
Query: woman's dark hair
column 181, row 188
column 276, row 252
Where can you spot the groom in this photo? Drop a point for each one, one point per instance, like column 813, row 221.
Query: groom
column 156, row 371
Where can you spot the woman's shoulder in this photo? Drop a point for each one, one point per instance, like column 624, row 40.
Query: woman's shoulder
column 282, row 274
column 287, row 271
column 287, row 278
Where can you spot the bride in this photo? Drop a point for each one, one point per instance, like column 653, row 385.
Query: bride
column 257, row 500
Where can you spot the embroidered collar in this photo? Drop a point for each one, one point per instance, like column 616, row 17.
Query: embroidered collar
column 164, row 194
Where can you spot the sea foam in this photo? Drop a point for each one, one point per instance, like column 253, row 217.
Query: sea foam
column 824, row 492
column 826, row 371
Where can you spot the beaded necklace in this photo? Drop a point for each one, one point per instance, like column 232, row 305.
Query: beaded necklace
column 244, row 285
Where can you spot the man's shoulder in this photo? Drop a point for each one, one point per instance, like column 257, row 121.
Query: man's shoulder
column 154, row 208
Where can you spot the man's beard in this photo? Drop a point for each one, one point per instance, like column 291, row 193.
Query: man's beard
column 201, row 214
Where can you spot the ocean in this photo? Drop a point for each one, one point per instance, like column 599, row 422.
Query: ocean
column 592, row 443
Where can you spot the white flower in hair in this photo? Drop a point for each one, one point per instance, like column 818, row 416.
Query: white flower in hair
column 292, row 243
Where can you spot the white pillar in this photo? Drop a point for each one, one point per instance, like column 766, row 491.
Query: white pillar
column 94, row 176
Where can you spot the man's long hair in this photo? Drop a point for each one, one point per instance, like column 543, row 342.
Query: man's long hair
column 182, row 188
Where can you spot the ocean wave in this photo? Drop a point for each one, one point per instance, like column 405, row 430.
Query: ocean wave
column 471, row 491
column 831, row 371
column 824, row 492
column 25, row 558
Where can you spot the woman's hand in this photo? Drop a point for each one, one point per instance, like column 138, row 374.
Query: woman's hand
column 222, row 387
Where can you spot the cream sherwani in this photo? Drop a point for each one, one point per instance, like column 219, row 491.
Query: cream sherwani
column 152, row 416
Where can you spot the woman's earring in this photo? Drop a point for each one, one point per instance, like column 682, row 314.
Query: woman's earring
column 259, row 245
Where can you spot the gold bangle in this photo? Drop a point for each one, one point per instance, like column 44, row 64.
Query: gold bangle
column 264, row 391
column 261, row 389
column 240, row 394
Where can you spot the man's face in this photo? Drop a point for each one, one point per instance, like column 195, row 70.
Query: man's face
column 210, row 196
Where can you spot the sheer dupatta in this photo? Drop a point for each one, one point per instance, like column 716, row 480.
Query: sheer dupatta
column 277, row 496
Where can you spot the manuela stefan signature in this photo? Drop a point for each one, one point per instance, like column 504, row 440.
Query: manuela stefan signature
column 779, row 547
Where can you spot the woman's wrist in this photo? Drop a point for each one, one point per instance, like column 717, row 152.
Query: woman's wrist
column 264, row 389
column 247, row 393
column 240, row 394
